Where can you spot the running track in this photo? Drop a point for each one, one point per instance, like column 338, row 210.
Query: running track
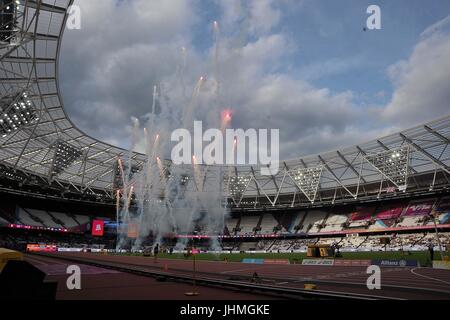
column 105, row 284
column 399, row 283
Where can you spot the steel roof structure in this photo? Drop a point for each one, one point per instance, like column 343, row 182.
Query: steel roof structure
column 39, row 140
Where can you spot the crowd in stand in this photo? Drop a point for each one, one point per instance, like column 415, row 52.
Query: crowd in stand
column 396, row 242
column 309, row 227
column 15, row 239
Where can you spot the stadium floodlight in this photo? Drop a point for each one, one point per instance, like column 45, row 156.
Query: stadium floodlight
column 184, row 180
column 238, row 185
column 16, row 112
column 393, row 164
column 65, row 156
column 8, row 19
column 307, row 180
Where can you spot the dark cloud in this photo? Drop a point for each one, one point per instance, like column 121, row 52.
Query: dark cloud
column 109, row 69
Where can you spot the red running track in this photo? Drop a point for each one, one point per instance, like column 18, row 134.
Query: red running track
column 105, row 284
column 402, row 283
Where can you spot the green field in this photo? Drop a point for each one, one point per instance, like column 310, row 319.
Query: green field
column 422, row 256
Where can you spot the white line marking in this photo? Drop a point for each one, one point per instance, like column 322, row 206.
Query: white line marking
column 36, row 261
column 238, row 270
column 421, row 275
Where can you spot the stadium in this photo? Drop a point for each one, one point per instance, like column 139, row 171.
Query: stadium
column 308, row 232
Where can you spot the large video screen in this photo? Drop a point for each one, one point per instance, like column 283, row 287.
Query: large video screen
column 98, row 227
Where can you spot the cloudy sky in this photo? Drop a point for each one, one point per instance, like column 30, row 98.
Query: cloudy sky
column 305, row 67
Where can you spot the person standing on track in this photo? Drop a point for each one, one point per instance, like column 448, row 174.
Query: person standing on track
column 431, row 250
column 155, row 253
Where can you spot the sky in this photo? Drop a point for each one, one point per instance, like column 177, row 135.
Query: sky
column 306, row 67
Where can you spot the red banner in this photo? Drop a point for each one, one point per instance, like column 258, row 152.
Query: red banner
column 41, row 248
column 419, row 208
column 98, row 228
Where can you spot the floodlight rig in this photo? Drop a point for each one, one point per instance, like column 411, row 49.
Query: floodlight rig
column 307, row 180
column 394, row 165
column 8, row 19
column 184, row 180
column 16, row 112
column 65, row 156
column 14, row 30
column 237, row 186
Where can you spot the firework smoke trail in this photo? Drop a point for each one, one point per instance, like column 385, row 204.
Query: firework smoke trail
column 216, row 32
column 140, row 196
column 182, row 70
column 188, row 112
column 119, row 238
column 125, row 214
column 147, row 183
column 166, row 204
column 117, row 213
column 122, row 174
column 199, row 186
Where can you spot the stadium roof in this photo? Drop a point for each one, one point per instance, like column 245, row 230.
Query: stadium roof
column 41, row 140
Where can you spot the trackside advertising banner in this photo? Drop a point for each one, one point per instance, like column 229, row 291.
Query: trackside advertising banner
column 352, row 263
column 253, row 261
column 360, row 263
column 445, row 265
column 318, row 262
column 396, row 263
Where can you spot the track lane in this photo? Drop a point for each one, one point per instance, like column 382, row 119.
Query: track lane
column 396, row 282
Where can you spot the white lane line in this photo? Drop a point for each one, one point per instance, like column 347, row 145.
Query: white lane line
column 421, row 275
column 238, row 270
column 36, row 261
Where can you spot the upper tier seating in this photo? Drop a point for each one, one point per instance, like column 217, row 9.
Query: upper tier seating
column 295, row 222
column 248, row 224
column 335, row 223
column 314, row 218
column 3, row 222
column 27, row 219
column 45, row 218
column 411, row 222
column 231, row 224
column 268, row 224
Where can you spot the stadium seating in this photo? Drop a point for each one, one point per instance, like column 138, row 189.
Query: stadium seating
column 419, row 208
column 411, row 222
column 443, row 218
column 335, row 222
column 27, row 219
column 316, row 222
column 351, row 243
column 3, row 222
column 268, row 224
column 295, row 222
column 329, row 241
column 359, row 224
column 301, row 245
column 248, row 246
column 382, row 224
column 248, row 224
column 313, row 221
column 281, row 245
column 46, row 219
column 231, row 224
